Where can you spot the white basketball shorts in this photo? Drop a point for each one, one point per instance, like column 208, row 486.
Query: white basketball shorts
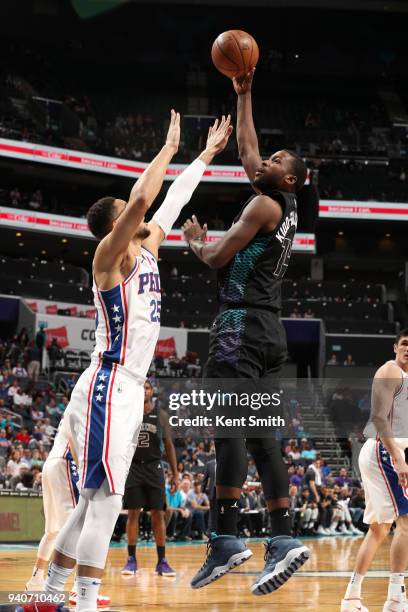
column 385, row 498
column 104, row 417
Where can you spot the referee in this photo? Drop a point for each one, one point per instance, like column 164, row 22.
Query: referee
column 145, row 485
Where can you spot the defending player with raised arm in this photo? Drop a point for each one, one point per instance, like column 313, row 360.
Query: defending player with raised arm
column 110, row 211
column 120, row 225
column 248, row 341
column 384, row 474
column 106, row 407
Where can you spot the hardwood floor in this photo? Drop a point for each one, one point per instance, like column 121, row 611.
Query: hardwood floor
column 319, row 585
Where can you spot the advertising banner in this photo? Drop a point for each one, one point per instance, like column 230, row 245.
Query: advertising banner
column 373, row 211
column 77, row 227
column 79, row 334
column 21, row 518
column 92, row 162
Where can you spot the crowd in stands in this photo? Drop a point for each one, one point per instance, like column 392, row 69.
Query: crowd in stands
column 321, row 503
column 30, row 409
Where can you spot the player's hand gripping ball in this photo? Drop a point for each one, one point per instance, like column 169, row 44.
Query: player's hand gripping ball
column 235, row 53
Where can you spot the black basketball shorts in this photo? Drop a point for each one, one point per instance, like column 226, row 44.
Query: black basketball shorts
column 246, row 343
column 145, row 487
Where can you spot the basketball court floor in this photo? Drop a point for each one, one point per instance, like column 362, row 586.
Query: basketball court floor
column 319, row 585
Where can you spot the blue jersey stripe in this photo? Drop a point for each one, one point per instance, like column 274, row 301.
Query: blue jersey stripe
column 399, row 494
column 116, row 313
column 95, row 471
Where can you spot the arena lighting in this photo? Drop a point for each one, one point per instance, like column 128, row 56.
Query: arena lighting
column 43, row 252
column 86, row 253
column 18, row 234
column 64, row 240
column 340, row 233
column 21, row 244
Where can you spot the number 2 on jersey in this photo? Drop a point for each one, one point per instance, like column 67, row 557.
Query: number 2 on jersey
column 143, row 440
column 155, row 312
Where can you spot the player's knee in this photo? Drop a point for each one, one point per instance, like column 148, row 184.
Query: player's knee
column 133, row 515
column 402, row 525
column 257, row 451
column 232, row 462
column 380, row 530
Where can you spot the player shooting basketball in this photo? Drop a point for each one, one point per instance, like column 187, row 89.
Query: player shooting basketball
column 384, row 473
column 106, row 407
column 247, row 340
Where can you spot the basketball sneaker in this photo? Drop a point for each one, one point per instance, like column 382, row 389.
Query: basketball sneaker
column 393, row 605
column 164, row 569
column 130, row 568
column 352, row 605
column 224, row 552
column 103, row 601
column 283, row 556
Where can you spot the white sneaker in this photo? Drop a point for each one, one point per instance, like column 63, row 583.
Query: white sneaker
column 356, row 531
column 344, row 530
column 34, row 584
column 393, row 605
column 322, row 531
column 352, row 605
column 333, row 532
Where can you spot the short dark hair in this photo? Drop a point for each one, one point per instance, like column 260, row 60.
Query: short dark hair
column 100, row 217
column 402, row 334
column 299, row 169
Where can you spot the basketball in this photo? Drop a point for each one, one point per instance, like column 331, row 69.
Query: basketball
column 234, row 53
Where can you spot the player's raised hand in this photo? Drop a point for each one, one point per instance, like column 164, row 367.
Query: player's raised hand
column 243, row 85
column 173, row 133
column 218, row 135
column 192, row 230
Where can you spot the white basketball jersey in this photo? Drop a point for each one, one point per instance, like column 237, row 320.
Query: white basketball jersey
column 128, row 319
column 398, row 416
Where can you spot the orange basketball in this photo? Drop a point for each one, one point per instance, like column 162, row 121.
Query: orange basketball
column 234, row 53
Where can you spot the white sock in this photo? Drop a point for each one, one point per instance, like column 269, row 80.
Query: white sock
column 87, row 593
column 57, row 577
column 396, row 588
column 354, row 586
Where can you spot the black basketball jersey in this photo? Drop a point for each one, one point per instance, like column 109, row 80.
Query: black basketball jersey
column 254, row 275
column 150, row 442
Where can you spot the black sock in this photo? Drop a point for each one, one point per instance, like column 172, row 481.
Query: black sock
column 132, row 550
column 227, row 516
column 280, row 522
column 161, row 552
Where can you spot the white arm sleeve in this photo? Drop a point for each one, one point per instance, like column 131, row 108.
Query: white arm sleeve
column 179, row 195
